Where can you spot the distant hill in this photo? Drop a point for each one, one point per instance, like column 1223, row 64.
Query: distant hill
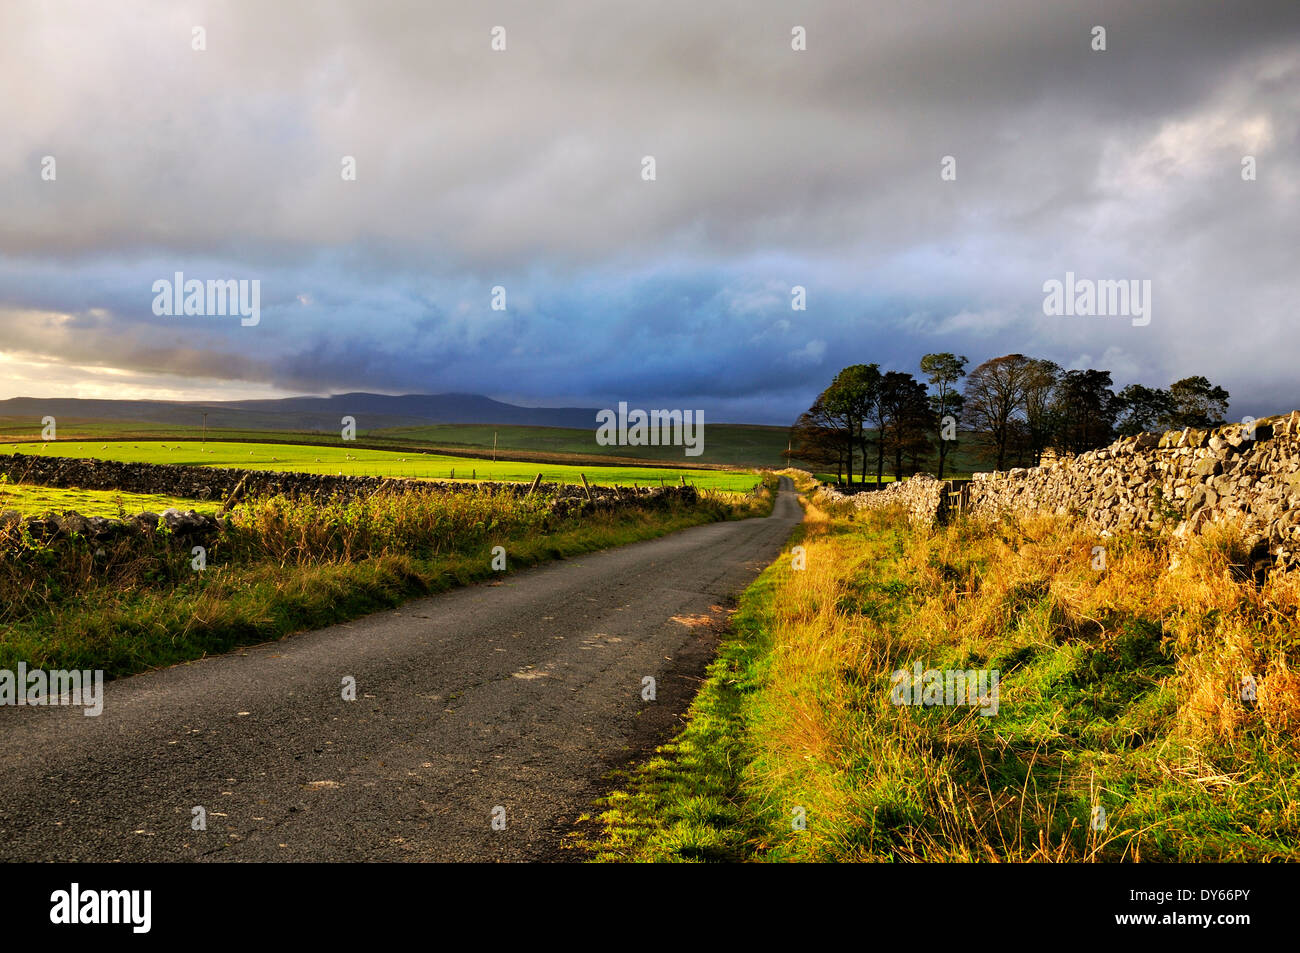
column 372, row 411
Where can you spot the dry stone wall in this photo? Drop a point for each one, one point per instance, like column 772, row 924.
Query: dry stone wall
column 923, row 496
column 1177, row 482
column 219, row 484
column 186, row 527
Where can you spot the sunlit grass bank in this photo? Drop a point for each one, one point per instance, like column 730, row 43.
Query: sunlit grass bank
column 1148, row 710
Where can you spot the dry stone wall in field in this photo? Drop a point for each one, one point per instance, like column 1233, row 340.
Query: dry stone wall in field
column 220, row 484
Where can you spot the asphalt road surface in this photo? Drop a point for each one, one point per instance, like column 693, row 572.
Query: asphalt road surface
column 503, row 702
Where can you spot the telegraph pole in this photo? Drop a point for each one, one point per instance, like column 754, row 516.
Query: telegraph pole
column 205, row 428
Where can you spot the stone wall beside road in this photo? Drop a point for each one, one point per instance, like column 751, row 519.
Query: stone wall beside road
column 1177, row 482
column 923, row 496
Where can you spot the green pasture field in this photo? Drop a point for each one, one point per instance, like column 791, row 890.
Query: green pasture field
column 743, row 445
column 42, row 500
column 732, row 445
column 358, row 462
column 727, row 445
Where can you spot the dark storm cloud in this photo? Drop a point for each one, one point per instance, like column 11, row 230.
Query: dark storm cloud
column 775, row 168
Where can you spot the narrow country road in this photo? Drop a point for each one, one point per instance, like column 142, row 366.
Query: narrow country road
column 518, row 695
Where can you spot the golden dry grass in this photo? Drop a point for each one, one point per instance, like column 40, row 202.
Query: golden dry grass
column 1121, row 692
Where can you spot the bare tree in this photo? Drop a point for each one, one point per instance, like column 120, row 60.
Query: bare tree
column 995, row 396
column 1041, row 380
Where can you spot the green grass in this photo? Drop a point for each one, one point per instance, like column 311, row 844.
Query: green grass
column 730, row 445
column 80, row 430
column 353, row 461
column 686, row 803
column 43, row 500
column 1117, row 691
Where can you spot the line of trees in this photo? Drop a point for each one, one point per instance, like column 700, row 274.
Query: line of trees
column 1013, row 408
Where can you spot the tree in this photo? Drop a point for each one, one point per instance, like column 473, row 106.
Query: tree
column 1019, row 442
column 848, row 402
column 1017, row 405
column 1196, row 403
column 888, row 414
column 943, row 370
column 1084, row 408
column 866, row 381
column 837, row 428
column 1041, row 379
column 815, row 440
column 995, row 394
column 1142, row 409
column 911, row 422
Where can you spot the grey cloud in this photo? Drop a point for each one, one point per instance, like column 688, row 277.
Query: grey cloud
column 775, row 167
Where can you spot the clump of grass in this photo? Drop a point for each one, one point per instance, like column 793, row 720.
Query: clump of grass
column 422, row 523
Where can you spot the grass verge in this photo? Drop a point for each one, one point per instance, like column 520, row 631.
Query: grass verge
column 1124, row 731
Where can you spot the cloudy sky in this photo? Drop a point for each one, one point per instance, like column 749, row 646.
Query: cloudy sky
column 523, row 168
